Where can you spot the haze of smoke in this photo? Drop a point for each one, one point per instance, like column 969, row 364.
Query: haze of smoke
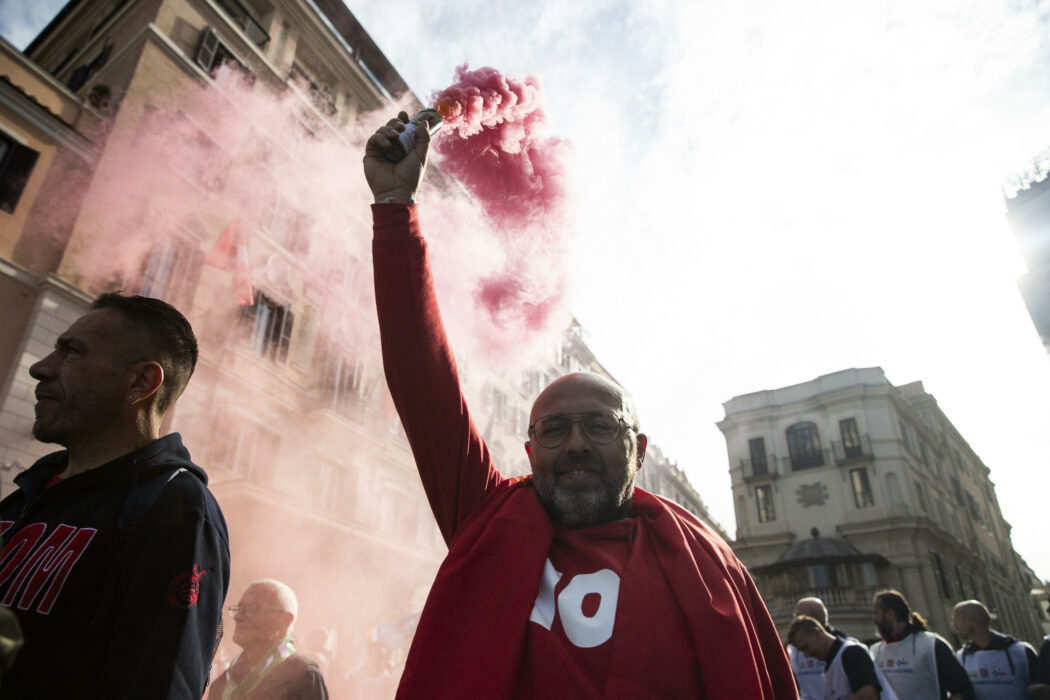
column 182, row 168
column 503, row 250
column 494, row 143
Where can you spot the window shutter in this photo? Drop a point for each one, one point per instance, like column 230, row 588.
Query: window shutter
column 206, row 52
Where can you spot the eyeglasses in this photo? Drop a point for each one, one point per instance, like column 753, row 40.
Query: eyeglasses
column 600, row 427
column 249, row 609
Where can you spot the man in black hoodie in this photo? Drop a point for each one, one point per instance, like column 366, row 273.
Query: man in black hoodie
column 116, row 556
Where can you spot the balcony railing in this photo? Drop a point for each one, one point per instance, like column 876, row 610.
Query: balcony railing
column 839, row 601
column 809, row 460
column 244, row 19
column 765, row 469
column 847, row 453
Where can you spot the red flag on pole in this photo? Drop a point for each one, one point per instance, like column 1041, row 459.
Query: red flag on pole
column 230, row 252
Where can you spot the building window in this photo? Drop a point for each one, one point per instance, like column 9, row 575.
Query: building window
column 904, row 434
column 861, row 488
column 271, row 333
column 245, row 21
column 975, row 509
column 495, row 402
column 759, row 465
column 942, row 576
column 804, row 446
column 868, row 575
column 562, row 358
column 850, row 438
column 922, row 453
column 82, row 73
column 212, row 54
column 319, row 90
column 248, row 450
column 289, row 228
column 343, row 381
column 764, row 498
column 171, row 271
column 328, row 487
column 921, row 496
column 959, row 581
column 521, row 423
column 16, row 163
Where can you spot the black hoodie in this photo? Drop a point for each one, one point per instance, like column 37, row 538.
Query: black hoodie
column 110, row 612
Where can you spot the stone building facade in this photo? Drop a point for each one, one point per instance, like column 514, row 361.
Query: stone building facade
column 846, row 484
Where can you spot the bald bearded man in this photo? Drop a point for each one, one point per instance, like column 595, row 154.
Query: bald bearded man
column 570, row 582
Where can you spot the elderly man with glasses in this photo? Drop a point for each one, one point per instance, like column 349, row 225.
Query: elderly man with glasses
column 570, row 582
column 268, row 667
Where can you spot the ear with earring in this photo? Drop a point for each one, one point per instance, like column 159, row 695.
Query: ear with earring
column 133, row 398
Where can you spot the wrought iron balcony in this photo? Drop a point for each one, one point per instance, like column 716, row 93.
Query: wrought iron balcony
column 756, row 470
column 848, row 453
column 244, row 19
column 811, row 459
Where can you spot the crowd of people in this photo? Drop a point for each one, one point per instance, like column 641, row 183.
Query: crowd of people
column 567, row 583
column 909, row 661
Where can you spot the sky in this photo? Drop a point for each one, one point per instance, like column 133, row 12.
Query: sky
column 769, row 191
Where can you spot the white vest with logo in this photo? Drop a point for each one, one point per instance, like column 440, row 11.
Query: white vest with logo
column 997, row 674
column 809, row 673
column 909, row 665
column 836, row 682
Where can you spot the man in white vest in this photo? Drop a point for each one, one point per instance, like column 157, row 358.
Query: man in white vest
column 809, row 672
column 848, row 673
column 918, row 664
column 999, row 666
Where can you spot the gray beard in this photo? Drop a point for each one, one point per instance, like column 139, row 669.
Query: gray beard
column 574, row 508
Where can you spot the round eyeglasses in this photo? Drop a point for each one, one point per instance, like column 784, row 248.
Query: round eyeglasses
column 249, row 609
column 600, row 427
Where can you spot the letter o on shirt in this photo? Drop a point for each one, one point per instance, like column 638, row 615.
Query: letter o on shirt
column 584, row 631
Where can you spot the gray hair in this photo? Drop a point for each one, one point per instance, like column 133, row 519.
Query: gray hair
column 283, row 596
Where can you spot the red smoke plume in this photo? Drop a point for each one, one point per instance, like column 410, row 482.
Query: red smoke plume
column 493, row 142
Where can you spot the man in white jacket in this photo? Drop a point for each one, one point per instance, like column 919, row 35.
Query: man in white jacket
column 849, row 673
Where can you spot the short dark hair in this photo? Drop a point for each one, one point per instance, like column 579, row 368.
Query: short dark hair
column 803, row 623
column 894, row 600
column 168, row 335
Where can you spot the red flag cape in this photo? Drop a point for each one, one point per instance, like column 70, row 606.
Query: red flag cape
column 471, row 636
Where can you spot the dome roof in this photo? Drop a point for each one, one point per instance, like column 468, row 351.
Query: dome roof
column 819, row 549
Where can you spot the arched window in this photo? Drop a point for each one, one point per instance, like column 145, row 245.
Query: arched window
column 804, row 446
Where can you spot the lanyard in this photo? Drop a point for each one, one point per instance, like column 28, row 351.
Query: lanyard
column 234, row 690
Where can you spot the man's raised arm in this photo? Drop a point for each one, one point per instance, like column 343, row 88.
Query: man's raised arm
column 453, row 460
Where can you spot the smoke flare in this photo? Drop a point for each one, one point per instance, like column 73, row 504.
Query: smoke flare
column 494, row 143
